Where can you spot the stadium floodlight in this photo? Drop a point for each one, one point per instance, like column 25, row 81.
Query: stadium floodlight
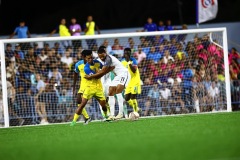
column 184, row 72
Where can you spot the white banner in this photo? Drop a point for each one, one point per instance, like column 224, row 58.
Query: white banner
column 207, row 10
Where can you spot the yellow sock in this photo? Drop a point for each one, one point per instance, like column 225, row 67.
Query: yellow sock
column 130, row 102
column 84, row 113
column 135, row 105
column 75, row 118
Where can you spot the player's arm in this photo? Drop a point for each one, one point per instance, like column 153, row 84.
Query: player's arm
column 133, row 65
column 99, row 74
column 75, row 77
column 104, row 70
column 88, row 70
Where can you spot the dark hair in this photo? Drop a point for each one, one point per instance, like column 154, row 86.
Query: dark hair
column 127, row 51
column 86, row 52
column 102, row 49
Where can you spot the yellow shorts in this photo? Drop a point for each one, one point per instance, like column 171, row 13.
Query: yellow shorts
column 133, row 89
column 81, row 89
column 93, row 92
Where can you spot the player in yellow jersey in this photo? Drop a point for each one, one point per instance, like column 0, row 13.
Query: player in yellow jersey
column 134, row 86
column 79, row 70
column 93, row 87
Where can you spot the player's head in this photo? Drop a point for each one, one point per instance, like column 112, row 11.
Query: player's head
column 127, row 53
column 102, row 53
column 87, row 55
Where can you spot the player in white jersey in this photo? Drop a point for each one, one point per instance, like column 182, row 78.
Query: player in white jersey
column 117, row 85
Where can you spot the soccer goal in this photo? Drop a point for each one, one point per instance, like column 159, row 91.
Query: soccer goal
column 182, row 72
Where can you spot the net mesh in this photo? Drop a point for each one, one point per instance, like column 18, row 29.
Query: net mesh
column 180, row 74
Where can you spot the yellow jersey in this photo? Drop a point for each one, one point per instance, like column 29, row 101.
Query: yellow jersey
column 63, row 31
column 135, row 77
column 92, row 69
column 91, row 28
column 79, row 68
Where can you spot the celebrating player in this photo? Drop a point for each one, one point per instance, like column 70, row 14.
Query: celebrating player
column 117, row 85
column 134, row 86
column 93, row 87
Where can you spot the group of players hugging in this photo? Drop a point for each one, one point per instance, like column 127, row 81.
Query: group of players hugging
column 107, row 79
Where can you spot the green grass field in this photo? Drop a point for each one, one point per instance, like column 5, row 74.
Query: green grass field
column 204, row 136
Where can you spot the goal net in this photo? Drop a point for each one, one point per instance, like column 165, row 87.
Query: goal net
column 182, row 72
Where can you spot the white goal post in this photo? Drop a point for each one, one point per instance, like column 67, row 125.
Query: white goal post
column 222, row 42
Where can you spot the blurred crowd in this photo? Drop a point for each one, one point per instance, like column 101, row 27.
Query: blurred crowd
column 178, row 75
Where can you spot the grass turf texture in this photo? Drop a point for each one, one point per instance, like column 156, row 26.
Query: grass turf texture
column 203, row 136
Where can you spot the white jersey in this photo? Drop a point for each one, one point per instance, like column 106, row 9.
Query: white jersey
column 113, row 61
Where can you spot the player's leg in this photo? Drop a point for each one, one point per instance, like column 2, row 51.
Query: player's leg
column 78, row 111
column 87, row 94
column 111, row 101
column 99, row 95
column 84, row 111
column 119, row 90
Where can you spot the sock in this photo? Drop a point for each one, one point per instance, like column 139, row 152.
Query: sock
column 75, row 118
column 84, row 112
column 135, row 105
column 120, row 102
column 108, row 108
column 112, row 105
column 100, row 107
column 130, row 102
column 125, row 111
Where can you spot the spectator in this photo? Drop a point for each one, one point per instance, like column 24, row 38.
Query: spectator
column 9, row 53
column 177, row 97
column 106, row 44
column 40, row 100
column 66, row 58
column 139, row 54
column 18, row 53
column 22, row 31
column 169, row 27
column 167, row 57
column 213, row 95
column 75, row 30
column 64, row 106
column 154, row 55
column 234, row 55
column 117, row 48
column 150, row 26
column 63, row 31
column 40, row 83
column 89, row 29
column 152, row 100
column 36, row 49
column 59, row 51
column 11, row 93
column 56, row 74
column 161, row 26
column 42, row 55
column 165, row 95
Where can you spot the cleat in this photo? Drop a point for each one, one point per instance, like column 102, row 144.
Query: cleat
column 73, row 123
column 119, row 116
column 87, row 121
column 110, row 118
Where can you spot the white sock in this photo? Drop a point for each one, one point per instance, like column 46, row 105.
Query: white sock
column 111, row 102
column 100, row 107
column 120, row 102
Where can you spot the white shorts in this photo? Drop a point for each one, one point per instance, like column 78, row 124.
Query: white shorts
column 122, row 79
